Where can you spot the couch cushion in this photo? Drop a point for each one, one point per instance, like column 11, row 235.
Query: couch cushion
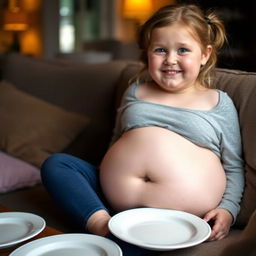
column 31, row 129
column 16, row 173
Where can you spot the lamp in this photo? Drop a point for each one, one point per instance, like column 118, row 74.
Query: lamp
column 137, row 9
column 15, row 20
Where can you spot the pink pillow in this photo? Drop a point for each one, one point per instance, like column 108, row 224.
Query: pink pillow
column 15, row 173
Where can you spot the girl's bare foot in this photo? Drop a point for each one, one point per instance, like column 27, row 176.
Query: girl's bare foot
column 97, row 224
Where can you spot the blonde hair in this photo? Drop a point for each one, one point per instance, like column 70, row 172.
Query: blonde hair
column 207, row 29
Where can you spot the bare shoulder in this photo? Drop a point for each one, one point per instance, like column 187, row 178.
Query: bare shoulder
column 145, row 90
column 201, row 99
column 212, row 97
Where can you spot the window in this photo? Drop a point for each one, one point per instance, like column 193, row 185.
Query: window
column 79, row 22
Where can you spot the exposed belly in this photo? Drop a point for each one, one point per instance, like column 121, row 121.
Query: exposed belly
column 155, row 167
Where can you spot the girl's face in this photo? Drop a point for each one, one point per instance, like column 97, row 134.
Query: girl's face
column 175, row 58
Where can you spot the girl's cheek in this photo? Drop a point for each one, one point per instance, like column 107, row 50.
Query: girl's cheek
column 189, row 62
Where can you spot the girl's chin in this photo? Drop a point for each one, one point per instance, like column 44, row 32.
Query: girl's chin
column 169, row 86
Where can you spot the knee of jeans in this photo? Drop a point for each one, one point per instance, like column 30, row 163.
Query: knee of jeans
column 49, row 166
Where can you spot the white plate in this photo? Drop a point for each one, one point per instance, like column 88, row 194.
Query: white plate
column 16, row 227
column 69, row 245
column 159, row 229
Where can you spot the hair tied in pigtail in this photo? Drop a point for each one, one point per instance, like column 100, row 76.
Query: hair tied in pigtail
column 208, row 20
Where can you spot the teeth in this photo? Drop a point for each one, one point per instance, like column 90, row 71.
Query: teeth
column 171, row 71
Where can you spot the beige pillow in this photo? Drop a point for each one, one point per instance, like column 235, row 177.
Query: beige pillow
column 32, row 129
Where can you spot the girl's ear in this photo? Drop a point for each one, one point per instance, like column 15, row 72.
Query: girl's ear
column 206, row 55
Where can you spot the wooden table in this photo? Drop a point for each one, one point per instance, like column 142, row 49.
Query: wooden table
column 48, row 231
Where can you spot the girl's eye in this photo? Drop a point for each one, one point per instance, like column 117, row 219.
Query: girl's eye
column 160, row 50
column 182, row 50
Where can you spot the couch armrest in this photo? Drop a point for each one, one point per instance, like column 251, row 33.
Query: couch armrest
column 245, row 243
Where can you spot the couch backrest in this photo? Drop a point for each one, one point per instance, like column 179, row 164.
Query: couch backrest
column 79, row 87
column 95, row 91
column 241, row 86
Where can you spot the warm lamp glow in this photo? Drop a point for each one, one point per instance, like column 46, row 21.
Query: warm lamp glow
column 137, row 9
column 31, row 5
column 15, row 21
column 14, row 18
column 31, row 43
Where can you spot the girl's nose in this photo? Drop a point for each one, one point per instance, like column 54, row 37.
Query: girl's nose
column 171, row 59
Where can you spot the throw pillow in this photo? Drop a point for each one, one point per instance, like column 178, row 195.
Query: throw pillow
column 16, row 173
column 32, row 129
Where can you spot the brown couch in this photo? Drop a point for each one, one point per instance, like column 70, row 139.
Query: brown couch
column 93, row 91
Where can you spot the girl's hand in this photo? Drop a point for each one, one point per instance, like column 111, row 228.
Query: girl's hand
column 222, row 221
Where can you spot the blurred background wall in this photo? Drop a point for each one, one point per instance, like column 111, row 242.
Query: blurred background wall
column 79, row 27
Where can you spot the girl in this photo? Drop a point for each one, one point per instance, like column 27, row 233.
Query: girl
column 176, row 143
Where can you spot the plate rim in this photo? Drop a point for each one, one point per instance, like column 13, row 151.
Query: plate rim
column 27, row 216
column 61, row 237
column 154, row 246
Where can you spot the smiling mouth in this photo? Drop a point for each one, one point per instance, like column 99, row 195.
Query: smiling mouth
column 171, row 72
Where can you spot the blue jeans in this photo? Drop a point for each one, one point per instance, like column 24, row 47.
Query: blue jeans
column 74, row 185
